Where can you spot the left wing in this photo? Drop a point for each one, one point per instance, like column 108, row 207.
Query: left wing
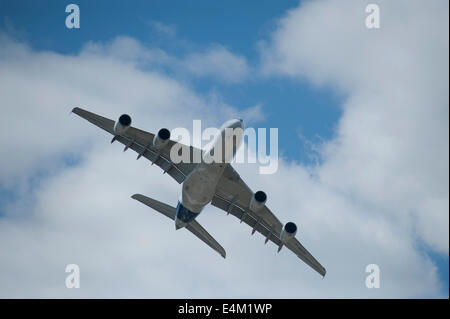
column 141, row 142
column 233, row 196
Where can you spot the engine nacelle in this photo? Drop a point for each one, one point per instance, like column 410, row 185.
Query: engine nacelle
column 289, row 230
column 161, row 139
column 122, row 124
column 258, row 200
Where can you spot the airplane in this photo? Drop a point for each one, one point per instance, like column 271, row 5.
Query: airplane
column 204, row 182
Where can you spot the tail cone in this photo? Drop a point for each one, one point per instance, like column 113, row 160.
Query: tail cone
column 179, row 224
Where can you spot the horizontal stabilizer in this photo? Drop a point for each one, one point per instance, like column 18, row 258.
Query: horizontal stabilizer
column 164, row 209
column 193, row 226
column 197, row 229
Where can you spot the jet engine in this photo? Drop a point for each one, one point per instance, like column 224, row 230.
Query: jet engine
column 161, row 139
column 122, row 124
column 289, row 230
column 258, row 200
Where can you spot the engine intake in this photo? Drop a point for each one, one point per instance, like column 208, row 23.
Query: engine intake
column 122, row 124
column 289, row 230
column 258, row 200
column 161, row 139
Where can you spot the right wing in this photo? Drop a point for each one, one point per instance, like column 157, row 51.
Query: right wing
column 193, row 226
column 141, row 142
column 233, row 196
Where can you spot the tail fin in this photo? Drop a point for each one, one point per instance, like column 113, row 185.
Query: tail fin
column 193, row 226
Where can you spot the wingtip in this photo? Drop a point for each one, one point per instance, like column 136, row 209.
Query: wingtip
column 135, row 196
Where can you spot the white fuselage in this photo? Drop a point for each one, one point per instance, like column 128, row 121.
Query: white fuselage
column 199, row 187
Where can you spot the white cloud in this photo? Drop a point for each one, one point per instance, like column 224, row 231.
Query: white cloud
column 162, row 28
column 83, row 214
column 129, row 50
column 218, row 62
column 40, row 88
column 391, row 149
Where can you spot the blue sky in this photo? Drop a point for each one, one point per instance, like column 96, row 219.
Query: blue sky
column 294, row 106
column 291, row 103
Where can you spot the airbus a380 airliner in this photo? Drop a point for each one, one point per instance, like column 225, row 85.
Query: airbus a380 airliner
column 202, row 182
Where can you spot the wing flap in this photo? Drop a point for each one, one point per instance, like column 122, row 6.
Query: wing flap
column 231, row 186
column 251, row 220
column 157, row 158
